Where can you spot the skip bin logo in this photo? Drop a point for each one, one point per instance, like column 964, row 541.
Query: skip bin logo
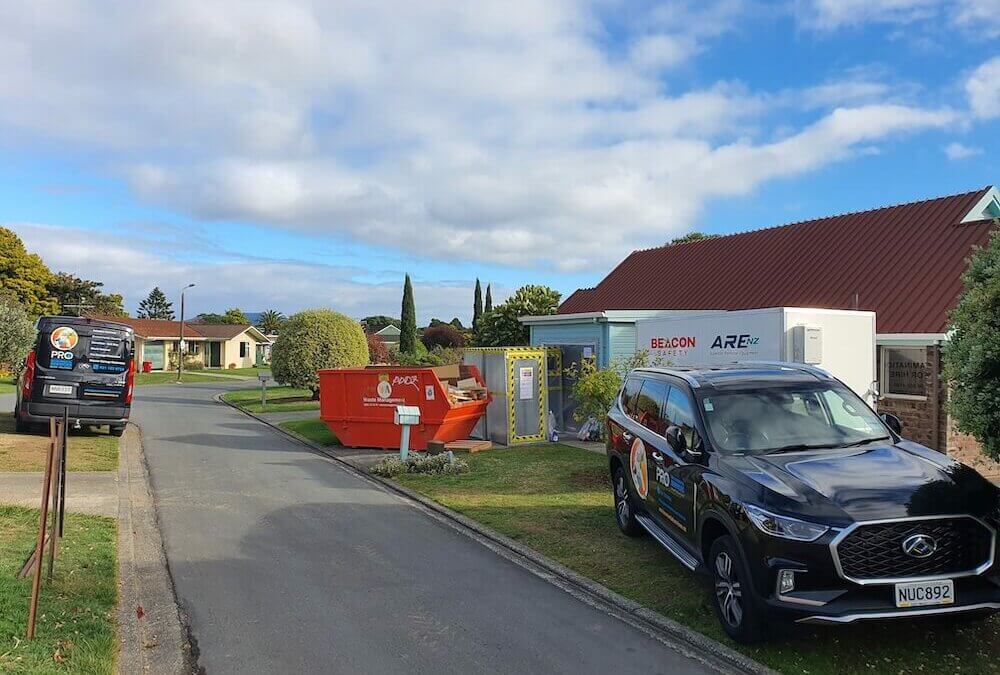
column 384, row 389
column 406, row 381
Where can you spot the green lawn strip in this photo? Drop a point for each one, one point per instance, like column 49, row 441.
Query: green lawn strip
column 311, row 430
column 557, row 500
column 279, row 399
column 245, row 372
column 7, row 385
column 170, row 377
column 88, row 450
column 75, row 632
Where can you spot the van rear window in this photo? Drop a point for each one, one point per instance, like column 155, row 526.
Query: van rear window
column 99, row 350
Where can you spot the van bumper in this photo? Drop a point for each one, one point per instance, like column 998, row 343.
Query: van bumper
column 83, row 414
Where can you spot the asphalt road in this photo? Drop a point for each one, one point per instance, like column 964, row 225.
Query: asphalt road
column 286, row 563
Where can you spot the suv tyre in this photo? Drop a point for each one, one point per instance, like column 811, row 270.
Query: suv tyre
column 733, row 597
column 624, row 504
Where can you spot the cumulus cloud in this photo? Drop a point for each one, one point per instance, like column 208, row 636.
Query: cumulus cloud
column 456, row 130
column 978, row 18
column 983, row 89
column 956, row 151
column 132, row 264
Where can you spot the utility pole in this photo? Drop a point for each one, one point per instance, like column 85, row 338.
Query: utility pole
column 180, row 345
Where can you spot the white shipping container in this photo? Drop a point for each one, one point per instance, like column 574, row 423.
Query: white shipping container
column 841, row 342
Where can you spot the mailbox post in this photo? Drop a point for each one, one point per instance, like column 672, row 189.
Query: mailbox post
column 406, row 416
column 263, row 377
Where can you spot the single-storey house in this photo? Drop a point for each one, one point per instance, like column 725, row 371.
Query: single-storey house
column 215, row 345
column 389, row 335
column 905, row 263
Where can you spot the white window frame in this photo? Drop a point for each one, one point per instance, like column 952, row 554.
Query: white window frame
column 883, row 375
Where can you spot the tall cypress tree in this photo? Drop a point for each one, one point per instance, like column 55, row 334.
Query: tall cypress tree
column 489, row 299
column 408, row 320
column 477, row 307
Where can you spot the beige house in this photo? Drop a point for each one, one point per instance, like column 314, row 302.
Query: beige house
column 213, row 345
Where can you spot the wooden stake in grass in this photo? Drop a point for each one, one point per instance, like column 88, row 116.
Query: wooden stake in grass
column 42, row 518
column 57, row 495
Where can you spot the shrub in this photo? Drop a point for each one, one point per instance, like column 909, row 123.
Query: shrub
column 442, row 336
column 438, row 465
column 17, row 336
column 595, row 389
column 439, row 356
column 313, row 340
column 972, row 356
column 191, row 361
column 378, row 352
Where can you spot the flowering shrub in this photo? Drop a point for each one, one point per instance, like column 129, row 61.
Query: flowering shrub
column 439, row 465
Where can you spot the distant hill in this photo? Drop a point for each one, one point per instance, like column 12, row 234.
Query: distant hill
column 253, row 316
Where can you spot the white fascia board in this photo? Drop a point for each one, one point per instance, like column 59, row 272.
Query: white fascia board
column 192, row 338
column 977, row 212
column 581, row 317
column 910, row 339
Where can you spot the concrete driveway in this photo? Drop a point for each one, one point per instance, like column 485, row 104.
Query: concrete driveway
column 284, row 562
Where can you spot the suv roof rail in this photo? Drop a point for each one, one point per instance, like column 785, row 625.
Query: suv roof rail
column 804, row 367
column 691, row 380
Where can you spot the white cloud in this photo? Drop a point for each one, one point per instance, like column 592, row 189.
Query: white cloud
column 132, row 265
column 459, row 130
column 956, row 151
column 978, row 19
column 983, row 89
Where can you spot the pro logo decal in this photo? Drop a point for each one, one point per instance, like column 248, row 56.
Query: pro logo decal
column 637, row 465
column 64, row 339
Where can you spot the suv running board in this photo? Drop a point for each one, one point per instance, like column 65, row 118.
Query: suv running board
column 667, row 541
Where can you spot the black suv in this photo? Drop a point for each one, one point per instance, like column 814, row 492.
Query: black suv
column 79, row 365
column 797, row 500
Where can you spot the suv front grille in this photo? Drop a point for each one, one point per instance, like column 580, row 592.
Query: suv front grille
column 875, row 551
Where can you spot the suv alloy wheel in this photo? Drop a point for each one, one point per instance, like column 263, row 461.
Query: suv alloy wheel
column 733, row 598
column 624, row 507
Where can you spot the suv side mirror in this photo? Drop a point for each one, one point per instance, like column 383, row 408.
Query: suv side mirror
column 893, row 423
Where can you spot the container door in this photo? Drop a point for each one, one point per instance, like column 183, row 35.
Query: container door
column 574, row 358
column 526, row 397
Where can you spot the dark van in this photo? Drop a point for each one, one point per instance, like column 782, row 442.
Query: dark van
column 82, row 365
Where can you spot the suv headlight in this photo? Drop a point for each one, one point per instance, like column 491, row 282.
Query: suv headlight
column 783, row 526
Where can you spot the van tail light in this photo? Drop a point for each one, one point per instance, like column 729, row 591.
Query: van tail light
column 29, row 376
column 129, row 382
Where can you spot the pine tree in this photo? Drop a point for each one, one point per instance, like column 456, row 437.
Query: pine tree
column 408, row 320
column 156, row 306
column 477, row 307
column 489, row 299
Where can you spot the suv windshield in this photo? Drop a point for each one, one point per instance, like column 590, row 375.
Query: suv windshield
column 774, row 419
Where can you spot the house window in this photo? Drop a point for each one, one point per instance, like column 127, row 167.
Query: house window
column 904, row 372
column 192, row 347
column 243, row 350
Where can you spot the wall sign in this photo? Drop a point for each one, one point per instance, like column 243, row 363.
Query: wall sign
column 526, row 391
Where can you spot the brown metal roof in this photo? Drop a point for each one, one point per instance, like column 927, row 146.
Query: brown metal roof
column 903, row 262
column 172, row 329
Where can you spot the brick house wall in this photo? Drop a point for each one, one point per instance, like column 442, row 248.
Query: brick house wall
column 927, row 421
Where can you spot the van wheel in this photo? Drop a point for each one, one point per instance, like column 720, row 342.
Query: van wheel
column 733, row 599
column 117, row 430
column 624, row 507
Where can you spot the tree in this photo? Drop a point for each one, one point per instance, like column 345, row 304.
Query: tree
column 211, row 317
column 270, row 321
column 156, row 306
column 444, row 335
column 408, row 320
column 691, row 236
column 972, row 356
column 374, row 324
column 24, row 277
column 235, row 316
column 477, row 307
column 500, row 328
column 378, row 351
column 489, row 299
column 313, row 340
column 17, row 336
column 79, row 297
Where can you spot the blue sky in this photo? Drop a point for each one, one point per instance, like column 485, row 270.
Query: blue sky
column 297, row 154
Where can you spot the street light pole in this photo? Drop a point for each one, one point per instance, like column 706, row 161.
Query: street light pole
column 180, row 345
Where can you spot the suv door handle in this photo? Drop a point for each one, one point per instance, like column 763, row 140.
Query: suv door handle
column 627, row 437
column 657, row 456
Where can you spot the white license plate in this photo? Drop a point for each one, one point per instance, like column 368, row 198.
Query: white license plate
column 60, row 389
column 919, row 593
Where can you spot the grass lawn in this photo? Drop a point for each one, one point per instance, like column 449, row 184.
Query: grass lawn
column 88, row 450
column 279, row 399
column 557, row 500
column 245, row 372
column 75, row 630
column 311, row 430
column 6, row 385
